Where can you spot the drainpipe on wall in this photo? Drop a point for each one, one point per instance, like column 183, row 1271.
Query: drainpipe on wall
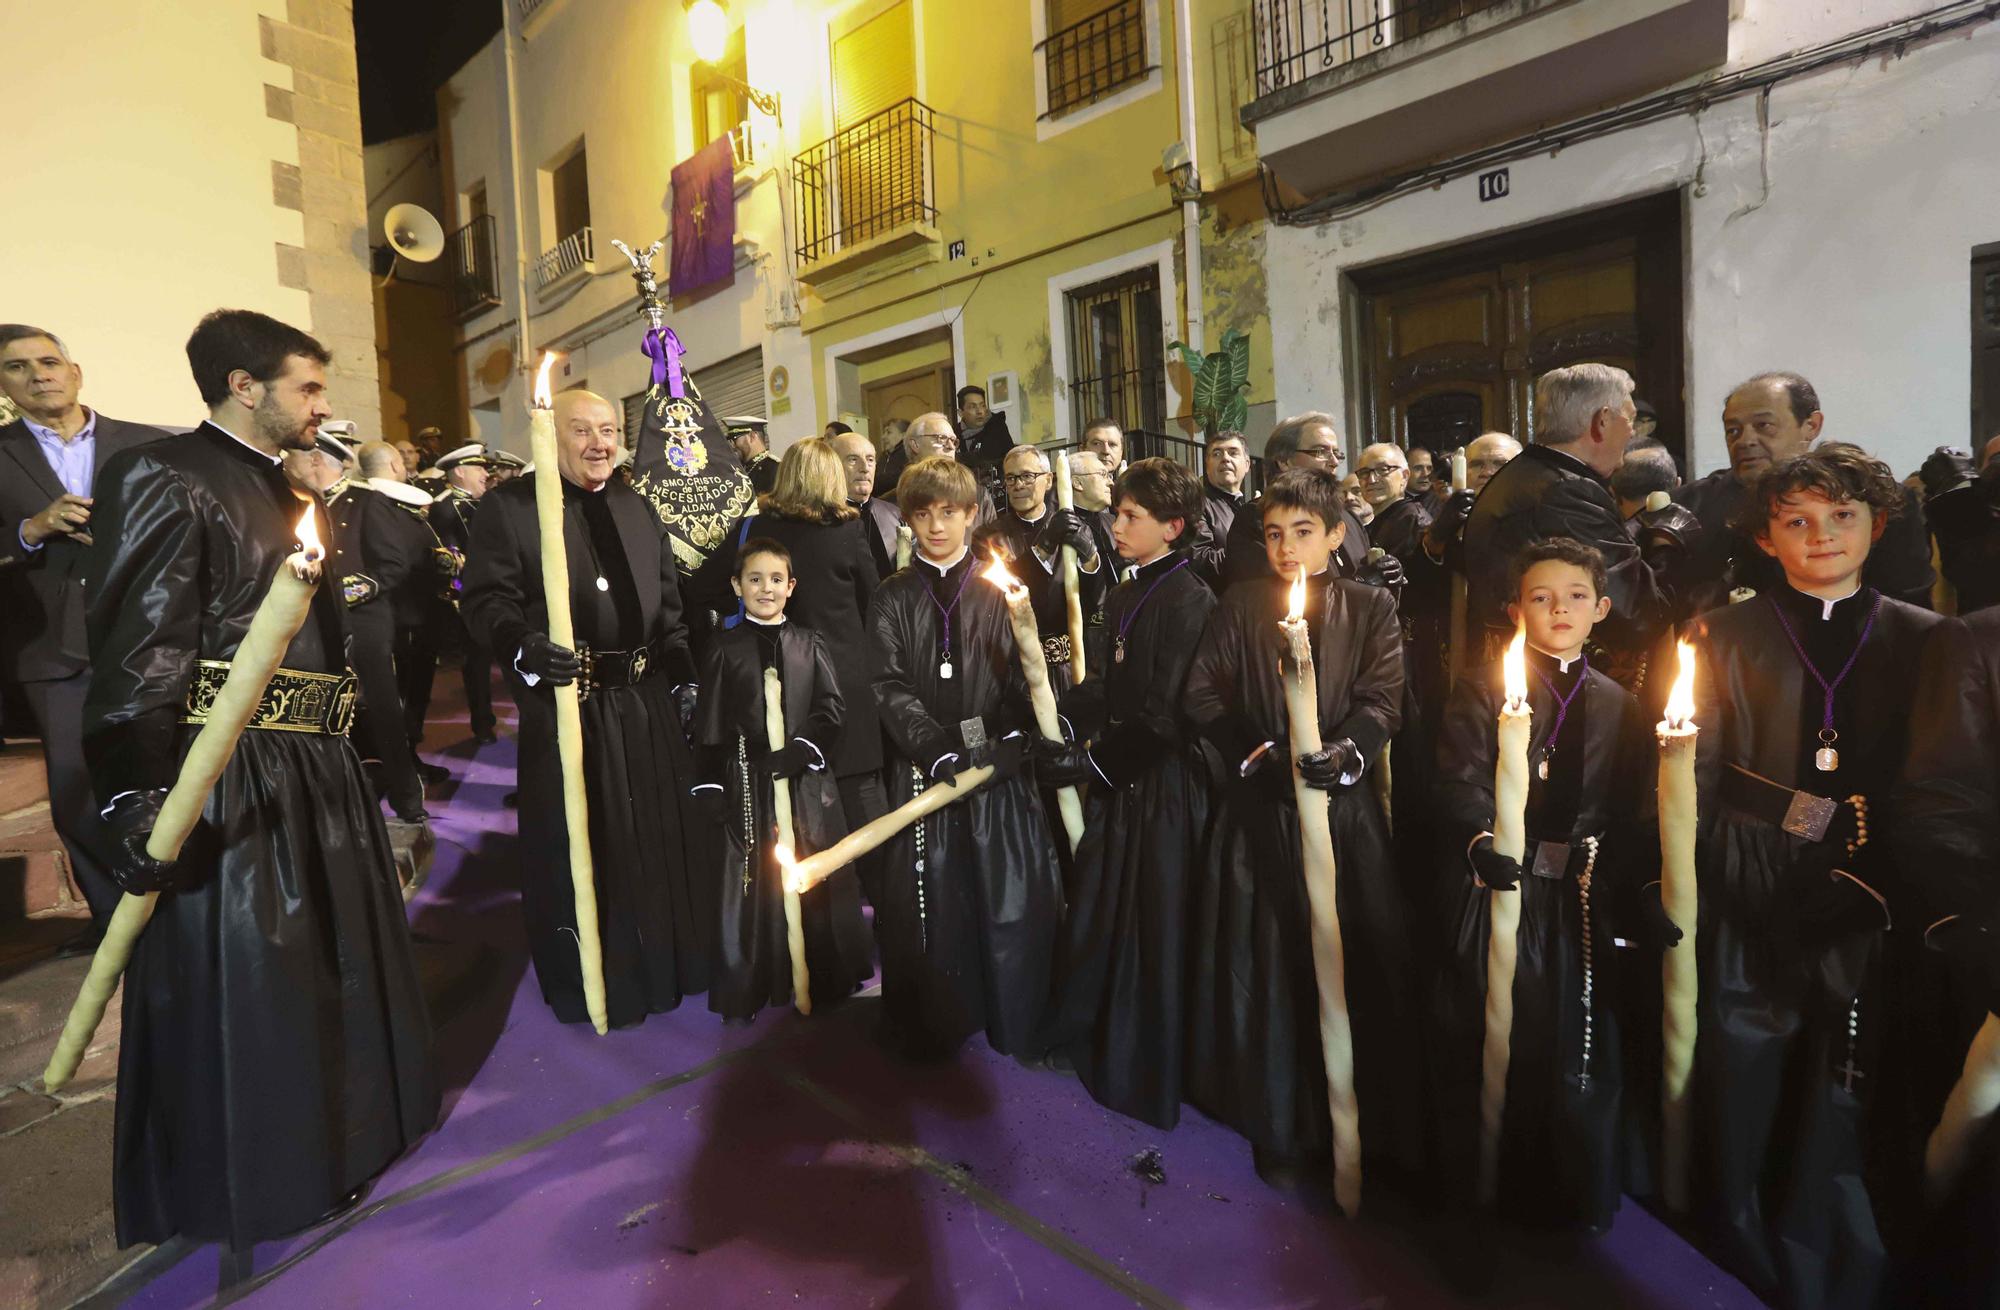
column 1190, row 208
column 524, row 361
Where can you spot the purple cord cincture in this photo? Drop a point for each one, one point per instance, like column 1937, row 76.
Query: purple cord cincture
column 1562, row 707
column 665, row 350
column 1798, row 647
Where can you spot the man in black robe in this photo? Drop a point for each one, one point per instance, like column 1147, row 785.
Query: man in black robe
column 655, row 860
column 1030, row 533
column 1766, row 420
column 1559, row 487
column 276, row 1052
column 451, row 514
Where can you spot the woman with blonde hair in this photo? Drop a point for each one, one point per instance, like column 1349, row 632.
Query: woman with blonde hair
column 811, row 486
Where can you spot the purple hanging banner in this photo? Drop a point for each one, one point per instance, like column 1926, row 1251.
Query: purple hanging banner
column 704, row 219
column 665, row 350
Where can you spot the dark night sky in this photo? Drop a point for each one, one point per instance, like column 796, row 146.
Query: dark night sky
column 405, row 49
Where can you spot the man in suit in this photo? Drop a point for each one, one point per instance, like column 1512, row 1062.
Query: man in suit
column 879, row 517
column 49, row 458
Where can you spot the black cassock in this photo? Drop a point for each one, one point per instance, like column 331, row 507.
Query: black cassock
column 1948, row 846
column 1559, row 1156
column 753, row 964
column 655, row 859
column 1117, row 1008
column 972, row 897
column 1016, row 538
column 1254, row 1058
column 276, row 1049
column 1780, row 1176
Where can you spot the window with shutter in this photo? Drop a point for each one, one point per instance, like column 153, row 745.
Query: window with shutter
column 874, row 65
column 1094, row 48
column 878, row 150
column 735, row 385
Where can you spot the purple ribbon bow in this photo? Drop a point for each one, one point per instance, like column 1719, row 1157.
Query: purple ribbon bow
column 665, row 350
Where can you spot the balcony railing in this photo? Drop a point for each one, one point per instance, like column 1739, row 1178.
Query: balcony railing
column 1087, row 61
column 1298, row 38
column 866, row 181
column 471, row 256
column 571, row 255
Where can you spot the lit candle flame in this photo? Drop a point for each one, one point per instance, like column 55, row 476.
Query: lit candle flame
column 1514, row 670
column 1297, row 613
column 543, row 396
column 309, row 542
column 1680, row 701
column 998, row 574
column 789, row 869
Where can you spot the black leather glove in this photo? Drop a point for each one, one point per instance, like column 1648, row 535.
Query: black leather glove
column 711, row 801
column 1831, row 902
column 1065, row 527
column 946, row 768
column 1656, row 928
column 1269, row 777
column 1449, row 521
column 1947, row 468
column 1006, row 756
column 556, row 665
column 687, row 699
column 1500, row 873
column 130, row 820
column 1061, row 764
column 1325, row 768
column 788, row 761
column 1383, row 570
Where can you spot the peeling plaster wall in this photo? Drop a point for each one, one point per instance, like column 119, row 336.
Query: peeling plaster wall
column 1850, row 265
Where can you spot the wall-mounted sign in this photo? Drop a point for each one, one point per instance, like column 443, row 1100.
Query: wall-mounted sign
column 781, row 381
column 1493, row 185
column 956, row 250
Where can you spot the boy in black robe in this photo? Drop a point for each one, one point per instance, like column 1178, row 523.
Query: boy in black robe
column 1588, row 758
column 1803, row 697
column 1254, row 1058
column 1117, row 1008
column 753, row 963
column 971, row 895
column 654, row 858
column 276, row 1050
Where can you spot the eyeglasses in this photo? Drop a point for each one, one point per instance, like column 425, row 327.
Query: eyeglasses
column 1023, row 479
column 1378, row 472
column 1324, row 454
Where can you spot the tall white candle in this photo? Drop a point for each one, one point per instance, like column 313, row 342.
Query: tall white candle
column 1035, row 668
column 1503, row 908
column 781, row 802
column 1680, row 985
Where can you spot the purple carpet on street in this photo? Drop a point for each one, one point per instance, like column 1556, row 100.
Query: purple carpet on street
column 704, row 228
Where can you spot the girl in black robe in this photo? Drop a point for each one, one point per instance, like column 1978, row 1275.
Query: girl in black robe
column 1588, row 852
column 1254, row 1056
column 753, row 963
column 1117, row 1010
column 654, row 857
column 972, row 896
column 1800, row 1003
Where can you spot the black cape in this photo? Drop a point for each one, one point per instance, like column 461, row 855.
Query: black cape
column 276, row 1050
column 1117, row 1005
column 1559, row 1144
column 753, row 963
column 967, row 928
column 1015, row 538
column 1254, row 1058
column 1781, row 1175
column 655, row 860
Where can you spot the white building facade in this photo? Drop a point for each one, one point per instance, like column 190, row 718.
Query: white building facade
column 1700, row 189
column 559, row 137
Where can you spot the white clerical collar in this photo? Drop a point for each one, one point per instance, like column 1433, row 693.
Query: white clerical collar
column 1562, row 665
column 945, row 568
column 1825, row 605
column 1135, row 570
column 275, row 459
column 1037, row 519
column 778, row 622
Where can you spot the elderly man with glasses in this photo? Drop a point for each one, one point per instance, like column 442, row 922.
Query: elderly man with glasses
column 1030, row 533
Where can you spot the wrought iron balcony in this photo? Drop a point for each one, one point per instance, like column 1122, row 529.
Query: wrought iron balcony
column 471, row 256
column 870, row 180
column 573, row 254
column 1087, row 61
column 1298, row 38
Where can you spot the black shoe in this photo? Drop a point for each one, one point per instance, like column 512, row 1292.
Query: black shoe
column 485, row 736
column 432, row 774
column 84, row 943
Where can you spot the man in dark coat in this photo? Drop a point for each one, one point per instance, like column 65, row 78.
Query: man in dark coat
column 752, row 443
column 1766, row 420
column 49, row 460
column 1962, row 505
column 1030, row 533
column 983, row 438
column 879, row 518
column 1225, row 466
column 451, row 513
column 1559, row 487
column 276, row 1053
column 655, row 860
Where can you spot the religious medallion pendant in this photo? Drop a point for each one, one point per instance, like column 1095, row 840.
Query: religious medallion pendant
column 1542, row 768
column 944, row 669
column 1826, row 759
column 1118, row 651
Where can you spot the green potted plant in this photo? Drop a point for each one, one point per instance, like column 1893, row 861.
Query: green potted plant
column 1221, row 378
